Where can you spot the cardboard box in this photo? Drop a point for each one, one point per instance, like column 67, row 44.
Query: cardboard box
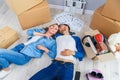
column 39, row 14
column 90, row 53
column 112, row 9
column 7, row 37
column 105, row 25
column 19, row 6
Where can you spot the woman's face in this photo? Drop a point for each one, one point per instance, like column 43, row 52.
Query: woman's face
column 53, row 29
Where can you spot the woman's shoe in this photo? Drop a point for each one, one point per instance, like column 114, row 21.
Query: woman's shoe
column 4, row 73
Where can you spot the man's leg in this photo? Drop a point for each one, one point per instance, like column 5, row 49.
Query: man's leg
column 66, row 72
column 48, row 73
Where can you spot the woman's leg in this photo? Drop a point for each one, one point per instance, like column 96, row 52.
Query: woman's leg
column 3, row 63
column 18, row 47
column 14, row 57
column 10, row 56
column 4, row 69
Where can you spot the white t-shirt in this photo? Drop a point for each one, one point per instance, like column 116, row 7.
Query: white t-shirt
column 34, row 38
column 65, row 42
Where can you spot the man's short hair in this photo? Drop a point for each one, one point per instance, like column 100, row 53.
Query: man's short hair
column 65, row 25
column 71, row 33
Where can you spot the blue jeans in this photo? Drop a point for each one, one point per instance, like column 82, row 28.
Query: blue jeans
column 12, row 56
column 18, row 47
column 56, row 71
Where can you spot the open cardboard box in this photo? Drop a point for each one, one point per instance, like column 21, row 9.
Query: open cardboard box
column 90, row 53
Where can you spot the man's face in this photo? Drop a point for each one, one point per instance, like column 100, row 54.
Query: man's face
column 63, row 29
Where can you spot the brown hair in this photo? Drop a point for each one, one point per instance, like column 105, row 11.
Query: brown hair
column 46, row 29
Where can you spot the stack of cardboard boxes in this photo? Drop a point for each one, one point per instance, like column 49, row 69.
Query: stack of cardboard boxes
column 107, row 18
column 30, row 12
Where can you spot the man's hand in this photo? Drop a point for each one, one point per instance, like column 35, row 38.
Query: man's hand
column 67, row 52
column 43, row 48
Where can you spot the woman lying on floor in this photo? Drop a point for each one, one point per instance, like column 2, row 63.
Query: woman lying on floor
column 34, row 48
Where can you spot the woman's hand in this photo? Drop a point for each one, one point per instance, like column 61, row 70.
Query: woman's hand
column 43, row 48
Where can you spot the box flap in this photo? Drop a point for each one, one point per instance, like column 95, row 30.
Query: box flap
column 92, row 33
column 106, row 57
column 89, row 52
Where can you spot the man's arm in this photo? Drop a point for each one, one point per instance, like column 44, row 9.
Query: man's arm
column 80, row 51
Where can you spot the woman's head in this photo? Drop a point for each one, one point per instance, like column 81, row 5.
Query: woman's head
column 52, row 29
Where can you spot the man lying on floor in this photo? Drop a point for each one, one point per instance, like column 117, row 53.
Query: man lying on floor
column 68, row 49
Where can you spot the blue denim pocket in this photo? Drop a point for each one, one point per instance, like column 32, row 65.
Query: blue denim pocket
column 18, row 48
column 0, row 68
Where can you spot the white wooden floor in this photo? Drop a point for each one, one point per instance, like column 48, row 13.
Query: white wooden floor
column 110, row 69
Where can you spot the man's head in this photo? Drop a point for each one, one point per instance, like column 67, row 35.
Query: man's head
column 64, row 29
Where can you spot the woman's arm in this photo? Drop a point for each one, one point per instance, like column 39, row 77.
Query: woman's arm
column 38, row 34
column 36, row 31
column 51, row 51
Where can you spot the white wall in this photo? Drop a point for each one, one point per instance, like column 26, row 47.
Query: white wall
column 91, row 4
column 1, row 2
